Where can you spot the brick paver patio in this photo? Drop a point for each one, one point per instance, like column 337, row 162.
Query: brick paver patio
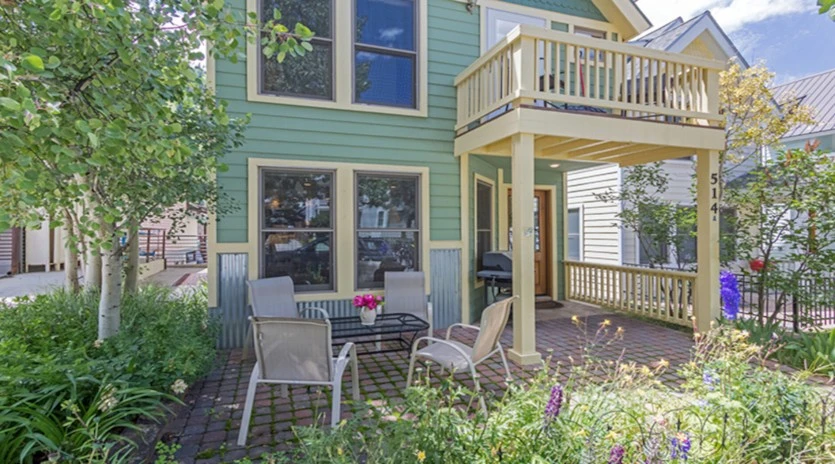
column 207, row 430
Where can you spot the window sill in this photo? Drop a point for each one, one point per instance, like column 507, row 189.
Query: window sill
column 333, row 105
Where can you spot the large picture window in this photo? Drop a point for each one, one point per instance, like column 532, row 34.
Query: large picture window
column 484, row 221
column 385, row 52
column 297, row 227
column 312, row 76
column 387, row 226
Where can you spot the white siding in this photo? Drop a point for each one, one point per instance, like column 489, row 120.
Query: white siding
column 601, row 234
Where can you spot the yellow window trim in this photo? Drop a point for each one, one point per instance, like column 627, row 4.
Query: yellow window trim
column 343, row 42
column 344, row 284
column 486, row 180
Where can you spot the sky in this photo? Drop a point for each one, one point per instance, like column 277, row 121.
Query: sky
column 787, row 35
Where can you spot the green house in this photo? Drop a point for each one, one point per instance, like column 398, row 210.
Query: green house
column 412, row 131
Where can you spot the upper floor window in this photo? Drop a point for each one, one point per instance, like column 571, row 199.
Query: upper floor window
column 312, row 76
column 385, row 52
column 367, row 55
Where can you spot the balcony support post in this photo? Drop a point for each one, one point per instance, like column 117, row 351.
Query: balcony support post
column 522, row 203
column 706, row 298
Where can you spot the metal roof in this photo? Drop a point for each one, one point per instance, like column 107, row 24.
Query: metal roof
column 816, row 91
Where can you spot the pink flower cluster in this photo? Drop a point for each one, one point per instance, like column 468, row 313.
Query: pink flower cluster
column 368, row 301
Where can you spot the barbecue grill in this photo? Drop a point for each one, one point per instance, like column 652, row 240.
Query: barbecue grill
column 497, row 272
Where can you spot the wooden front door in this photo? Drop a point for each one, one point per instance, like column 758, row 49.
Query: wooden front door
column 542, row 239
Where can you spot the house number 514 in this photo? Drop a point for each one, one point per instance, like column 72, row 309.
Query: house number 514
column 714, row 194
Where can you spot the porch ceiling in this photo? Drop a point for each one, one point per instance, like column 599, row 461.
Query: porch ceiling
column 589, row 138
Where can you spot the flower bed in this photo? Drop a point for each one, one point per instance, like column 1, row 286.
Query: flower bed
column 730, row 409
column 66, row 396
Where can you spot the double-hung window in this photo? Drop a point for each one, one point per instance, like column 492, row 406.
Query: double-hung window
column 297, row 227
column 308, row 77
column 385, row 52
column 575, row 234
column 387, row 226
column 367, row 55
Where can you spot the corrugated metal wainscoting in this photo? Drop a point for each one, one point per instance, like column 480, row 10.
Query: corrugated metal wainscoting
column 445, row 278
column 231, row 298
column 232, row 312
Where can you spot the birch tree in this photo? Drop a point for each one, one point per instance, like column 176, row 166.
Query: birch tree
column 104, row 121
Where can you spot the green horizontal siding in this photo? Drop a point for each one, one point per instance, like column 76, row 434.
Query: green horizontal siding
column 582, row 8
column 316, row 134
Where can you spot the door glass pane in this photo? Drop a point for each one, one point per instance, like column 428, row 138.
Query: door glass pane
column 381, row 252
column 396, row 197
column 536, row 243
column 297, row 200
column 304, row 256
column 386, row 23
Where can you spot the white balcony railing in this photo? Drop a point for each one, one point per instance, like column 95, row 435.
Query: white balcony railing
column 657, row 294
column 552, row 69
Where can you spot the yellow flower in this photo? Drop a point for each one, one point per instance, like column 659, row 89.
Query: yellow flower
column 663, row 363
column 421, row 456
column 575, row 319
column 339, row 451
column 606, row 323
column 620, row 331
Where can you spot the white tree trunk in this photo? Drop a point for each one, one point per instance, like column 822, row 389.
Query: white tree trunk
column 92, row 270
column 111, row 289
column 71, row 261
column 132, row 269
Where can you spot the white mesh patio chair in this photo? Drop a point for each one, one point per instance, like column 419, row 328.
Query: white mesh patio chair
column 454, row 355
column 406, row 293
column 292, row 351
column 274, row 297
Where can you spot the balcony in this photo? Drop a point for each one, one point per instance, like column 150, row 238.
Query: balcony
column 541, row 94
column 588, row 99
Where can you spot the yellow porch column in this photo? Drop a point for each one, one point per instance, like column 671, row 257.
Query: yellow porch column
column 707, row 209
column 524, row 314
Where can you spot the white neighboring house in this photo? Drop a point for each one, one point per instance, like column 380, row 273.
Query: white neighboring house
column 593, row 233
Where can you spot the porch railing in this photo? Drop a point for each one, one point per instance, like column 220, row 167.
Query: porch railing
column 559, row 70
column 658, row 294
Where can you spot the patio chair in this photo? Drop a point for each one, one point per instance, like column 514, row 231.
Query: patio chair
column 274, row 297
column 454, row 355
column 292, row 351
column 406, row 293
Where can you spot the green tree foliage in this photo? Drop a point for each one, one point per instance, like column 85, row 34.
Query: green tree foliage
column 786, row 216
column 827, row 7
column 659, row 223
column 105, row 120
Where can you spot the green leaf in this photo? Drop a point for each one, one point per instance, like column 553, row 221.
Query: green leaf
column 307, row 46
column 9, row 104
column 176, row 128
column 53, row 62
column 33, row 63
column 303, row 31
column 276, row 14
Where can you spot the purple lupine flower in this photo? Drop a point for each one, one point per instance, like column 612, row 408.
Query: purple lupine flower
column 552, row 409
column 730, row 294
column 709, row 379
column 681, row 446
column 617, row 454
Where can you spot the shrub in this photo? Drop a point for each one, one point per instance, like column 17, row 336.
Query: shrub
column 54, row 373
column 812, row 351
column 730, row 409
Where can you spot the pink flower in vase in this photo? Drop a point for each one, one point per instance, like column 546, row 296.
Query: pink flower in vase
column 370, row 301
column 359, row 301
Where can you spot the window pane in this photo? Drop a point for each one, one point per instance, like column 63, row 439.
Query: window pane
column 574, row 247
column 484, row 197
column 315, row 14
column 386, row 23
column 574, row 221
column 294, row 200
column 396, row 197
column 304, row 256
column 484, row 245
column 384, row 79
column 311, row 76
column 381, row 252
